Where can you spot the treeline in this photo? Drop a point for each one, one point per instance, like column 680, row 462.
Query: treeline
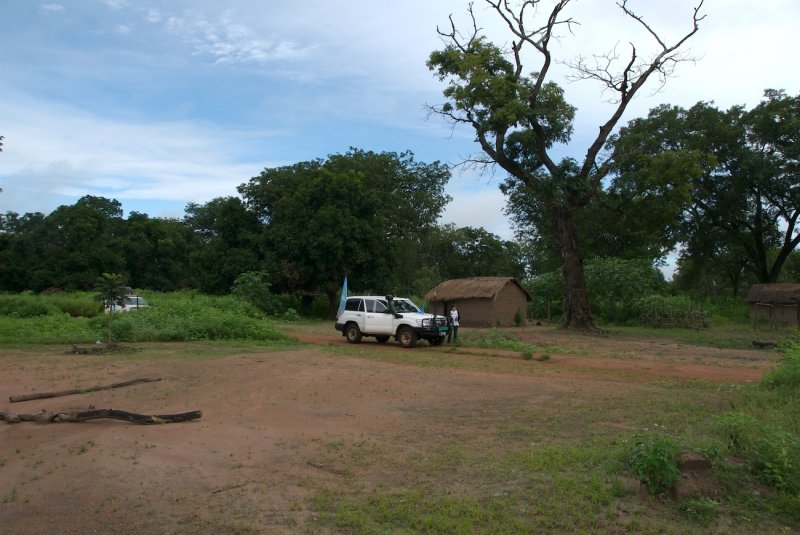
column 718, row 186
column 372, row 216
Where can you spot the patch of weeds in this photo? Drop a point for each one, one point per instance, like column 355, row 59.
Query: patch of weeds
column 771, row 452
column 654, row 462
column 700, row 510
column 83, row 448
column 334, row 446
column 11, row 496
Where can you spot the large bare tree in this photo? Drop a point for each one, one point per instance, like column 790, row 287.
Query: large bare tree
column 518, row 117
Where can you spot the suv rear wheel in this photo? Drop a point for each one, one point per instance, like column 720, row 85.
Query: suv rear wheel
column 353, row 333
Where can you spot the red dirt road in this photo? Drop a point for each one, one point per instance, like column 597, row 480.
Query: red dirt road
column 274, row 422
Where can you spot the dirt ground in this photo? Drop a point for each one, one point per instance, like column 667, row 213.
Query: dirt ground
column 272, row 419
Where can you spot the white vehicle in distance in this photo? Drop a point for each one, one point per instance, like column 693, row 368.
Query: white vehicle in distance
column 130, row 302
column 387, row 316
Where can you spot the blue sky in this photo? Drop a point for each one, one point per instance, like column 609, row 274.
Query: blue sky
column 161, row 103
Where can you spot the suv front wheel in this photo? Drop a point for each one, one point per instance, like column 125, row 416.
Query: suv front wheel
column 353, row 333
column 407, row 337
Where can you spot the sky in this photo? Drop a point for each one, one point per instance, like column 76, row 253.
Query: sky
column 162, row 103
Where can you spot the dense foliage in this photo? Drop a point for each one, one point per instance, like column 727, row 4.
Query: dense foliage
column 728, row 179
column 297, row 230
column 177, row 316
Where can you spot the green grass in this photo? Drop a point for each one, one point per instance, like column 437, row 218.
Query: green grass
column 738, row 336
column 537, row 464
column 567, row 466
column 495, row 339
column 179, row 316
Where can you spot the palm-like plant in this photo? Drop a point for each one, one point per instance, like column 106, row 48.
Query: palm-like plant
column 111, row 288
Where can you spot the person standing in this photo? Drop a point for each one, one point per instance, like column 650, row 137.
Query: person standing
column 453, row 320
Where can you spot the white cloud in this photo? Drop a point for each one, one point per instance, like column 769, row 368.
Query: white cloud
column 116, row 4
column 229, row 41
column 477, row 205
column 52, row 8
column 56, row 152
column 153, row 16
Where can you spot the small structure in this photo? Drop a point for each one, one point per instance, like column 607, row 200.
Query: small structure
column 482, row 301
column 777, row 304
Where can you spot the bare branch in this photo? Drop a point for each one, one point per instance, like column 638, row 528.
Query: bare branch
column 627, row 83
column 455, row 37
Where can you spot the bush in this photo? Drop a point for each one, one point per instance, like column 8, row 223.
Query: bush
column 202, row 318
column 730, row 310
column 48, row 329
column 771, row 452
column 25, row 306
column 654, row 461
column 669, row 311
column 787, row 375
column 547, row 292
column 77, row 305
column 615, row 285
column 253, row 286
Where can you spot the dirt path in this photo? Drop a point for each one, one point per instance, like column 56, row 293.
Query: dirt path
column 275, row 424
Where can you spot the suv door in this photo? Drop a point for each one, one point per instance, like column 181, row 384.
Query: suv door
column 379, row 319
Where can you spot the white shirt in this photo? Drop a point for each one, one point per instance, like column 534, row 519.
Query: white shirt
column 454, row 317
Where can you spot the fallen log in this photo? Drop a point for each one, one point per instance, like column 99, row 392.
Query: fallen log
column 43, row 395
column 45, row 417
column 764, row 343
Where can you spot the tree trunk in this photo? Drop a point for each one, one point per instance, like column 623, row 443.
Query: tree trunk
column 577, row 310
column 333, row 304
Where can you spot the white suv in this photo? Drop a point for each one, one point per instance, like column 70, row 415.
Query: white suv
column 386, row 316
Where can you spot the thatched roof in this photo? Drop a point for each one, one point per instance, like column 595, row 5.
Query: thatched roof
column 472, row 288
column 779, row 293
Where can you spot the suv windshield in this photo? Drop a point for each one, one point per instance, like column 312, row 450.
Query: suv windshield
column 404, row 305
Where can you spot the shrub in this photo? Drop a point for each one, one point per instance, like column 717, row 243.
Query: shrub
column 547, row 292
column 669, row 311
column 771, row 452
column 25, row 306
column 654, row 461
column 614, row 285
column 787, row 375
column 253, row 286
column 48, row 329
column 77, row 305
column 190, row 320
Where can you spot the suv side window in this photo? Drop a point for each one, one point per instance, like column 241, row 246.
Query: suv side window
column 354, row 305
column 376, row 306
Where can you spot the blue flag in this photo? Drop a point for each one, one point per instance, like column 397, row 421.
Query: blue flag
column 343, row 298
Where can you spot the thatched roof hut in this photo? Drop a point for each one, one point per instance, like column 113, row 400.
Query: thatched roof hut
column 482, row 301
column 776, row 303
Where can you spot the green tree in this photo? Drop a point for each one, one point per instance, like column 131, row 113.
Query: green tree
column 458, row 252
column 68, row 247
column 226, row 243
column 18, row 249
column 518, row 118
column 156, row 252
column 350, row 214
column 744, row 191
